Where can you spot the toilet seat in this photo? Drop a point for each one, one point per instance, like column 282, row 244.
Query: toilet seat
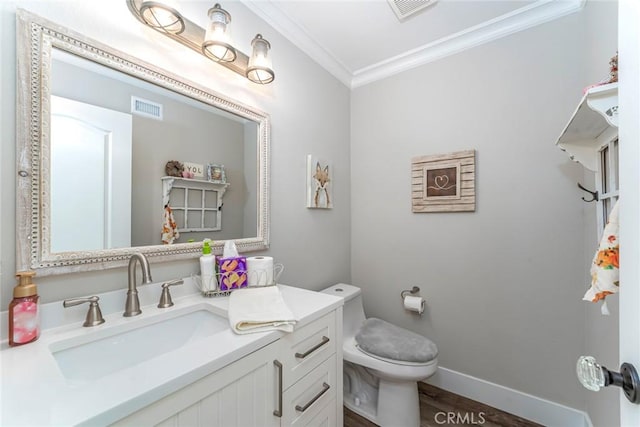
column 399, row 371
column 393, row 361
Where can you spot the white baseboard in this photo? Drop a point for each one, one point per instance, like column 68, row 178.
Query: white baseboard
column 515, row 402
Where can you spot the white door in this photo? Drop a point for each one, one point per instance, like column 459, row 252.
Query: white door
column 90, row 177
column 629, row 131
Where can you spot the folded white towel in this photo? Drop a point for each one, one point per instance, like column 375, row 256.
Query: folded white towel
column 259, row 309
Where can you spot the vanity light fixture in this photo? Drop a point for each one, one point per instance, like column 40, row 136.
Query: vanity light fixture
column 214, row 42
column 161, row 16
column 259, row 69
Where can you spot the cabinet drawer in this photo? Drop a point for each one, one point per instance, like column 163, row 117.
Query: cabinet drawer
column 306, row 399
column 326, row 417
column 307, row 347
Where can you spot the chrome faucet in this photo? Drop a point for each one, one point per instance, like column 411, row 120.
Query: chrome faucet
column 132, row 306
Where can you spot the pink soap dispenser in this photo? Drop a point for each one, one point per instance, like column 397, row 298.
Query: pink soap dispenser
column 24, row 319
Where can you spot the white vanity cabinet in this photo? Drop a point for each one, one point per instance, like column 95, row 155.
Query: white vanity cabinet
column 206, row 376
column 294, row 381
column 311, row 377
column 241, row 394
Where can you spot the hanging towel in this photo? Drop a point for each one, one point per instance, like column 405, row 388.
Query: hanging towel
column 169, row 226
column 259, row 309
column 605, row 269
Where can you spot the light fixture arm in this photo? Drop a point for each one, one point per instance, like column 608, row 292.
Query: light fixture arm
column 193, row 37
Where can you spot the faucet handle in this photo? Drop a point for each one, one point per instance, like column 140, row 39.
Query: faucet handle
column 165, row 298
column 94, row 315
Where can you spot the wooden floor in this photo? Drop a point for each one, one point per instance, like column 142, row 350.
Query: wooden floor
column 441, row 408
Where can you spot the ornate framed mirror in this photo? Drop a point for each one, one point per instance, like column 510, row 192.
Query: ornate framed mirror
column 55, row 62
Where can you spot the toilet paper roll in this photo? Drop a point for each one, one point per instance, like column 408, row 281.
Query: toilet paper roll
column 260, row 270
column 415, row 304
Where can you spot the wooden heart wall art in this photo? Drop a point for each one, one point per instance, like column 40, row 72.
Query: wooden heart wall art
column 444, row 182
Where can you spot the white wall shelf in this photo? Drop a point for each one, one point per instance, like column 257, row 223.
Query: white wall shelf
column 196, row 203
column 594, row 122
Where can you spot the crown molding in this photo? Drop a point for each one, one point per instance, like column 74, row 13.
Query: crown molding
column 297, row 35
column 520, row 19
column 531, row 15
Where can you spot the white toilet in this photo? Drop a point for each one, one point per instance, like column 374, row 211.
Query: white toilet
column 378, row 383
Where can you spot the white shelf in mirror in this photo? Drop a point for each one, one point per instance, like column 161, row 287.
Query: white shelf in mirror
column 594, row 121
column 207, row 211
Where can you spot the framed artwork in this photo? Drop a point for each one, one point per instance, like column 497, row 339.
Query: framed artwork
column 319, row 183
column 444, row 182
column 216, row 174
column 441, row 182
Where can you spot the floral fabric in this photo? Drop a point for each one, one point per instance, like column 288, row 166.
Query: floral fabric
column 605, row 269
column 169, row 227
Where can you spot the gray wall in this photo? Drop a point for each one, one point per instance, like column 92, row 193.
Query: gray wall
column 309, row 110
column 503, row 284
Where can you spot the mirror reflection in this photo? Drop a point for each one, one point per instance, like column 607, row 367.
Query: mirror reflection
column 92, row 185
column 112, row 136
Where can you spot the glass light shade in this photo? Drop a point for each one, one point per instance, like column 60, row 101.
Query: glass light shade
column 260, row 69
column 161, row 16
column 216, row 45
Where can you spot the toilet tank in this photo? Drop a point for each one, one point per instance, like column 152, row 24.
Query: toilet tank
column 353, row 311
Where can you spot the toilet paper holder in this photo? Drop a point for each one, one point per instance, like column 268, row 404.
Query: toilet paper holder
column 411, row 291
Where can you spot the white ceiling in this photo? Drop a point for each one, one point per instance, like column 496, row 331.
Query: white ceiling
column 361, row 41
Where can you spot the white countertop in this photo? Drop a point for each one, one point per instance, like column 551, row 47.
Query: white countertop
column 35, row 393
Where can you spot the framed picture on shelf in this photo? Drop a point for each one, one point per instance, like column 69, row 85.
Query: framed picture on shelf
column 216, row 174
column 194, row 170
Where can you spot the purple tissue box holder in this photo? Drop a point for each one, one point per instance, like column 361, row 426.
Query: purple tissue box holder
column 233, row 273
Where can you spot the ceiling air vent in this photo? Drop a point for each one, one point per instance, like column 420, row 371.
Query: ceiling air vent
column 405, row 8
column 142, row 107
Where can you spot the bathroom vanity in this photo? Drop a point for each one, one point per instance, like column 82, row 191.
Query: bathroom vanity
column 178, row 366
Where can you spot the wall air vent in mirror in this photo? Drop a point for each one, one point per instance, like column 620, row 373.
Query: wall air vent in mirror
column 405, row 8
column 143, row 107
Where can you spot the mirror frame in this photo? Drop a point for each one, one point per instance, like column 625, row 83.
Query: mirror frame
column 36, row 37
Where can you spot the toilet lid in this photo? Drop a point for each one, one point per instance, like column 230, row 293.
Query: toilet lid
column 388, row 341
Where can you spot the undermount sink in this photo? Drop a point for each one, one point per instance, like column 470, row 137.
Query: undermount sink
column 95, row 355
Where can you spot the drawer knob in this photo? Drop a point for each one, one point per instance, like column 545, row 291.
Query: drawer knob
column 312, row 349
column 325, row 388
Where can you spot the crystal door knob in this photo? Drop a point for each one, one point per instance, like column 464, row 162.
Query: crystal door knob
column 590, row 373
column 593, row 377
